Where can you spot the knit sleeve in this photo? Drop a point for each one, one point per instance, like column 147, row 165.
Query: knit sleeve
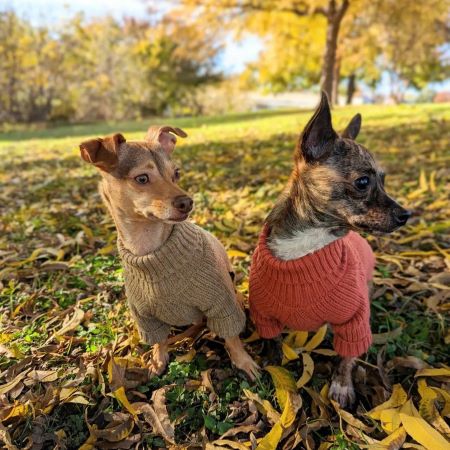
column 353, row 337
column 151, row 330
column 225, row 317
column 267, row 327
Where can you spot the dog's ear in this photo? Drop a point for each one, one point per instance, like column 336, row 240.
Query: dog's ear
column 318, row 132
column 103, row 153
column 164, row 135
column 352, row 130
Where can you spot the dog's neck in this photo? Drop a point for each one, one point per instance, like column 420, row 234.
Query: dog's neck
column 301, row 243
column 297, row 228
column 139, row 235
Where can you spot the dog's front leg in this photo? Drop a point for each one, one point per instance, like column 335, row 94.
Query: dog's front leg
column 160, row 357
column 240, row 358
column 342, row 390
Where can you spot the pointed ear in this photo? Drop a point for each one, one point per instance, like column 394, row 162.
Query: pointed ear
column 103, row 153
column 163, row 135
column 318, row 132
column 352, row 130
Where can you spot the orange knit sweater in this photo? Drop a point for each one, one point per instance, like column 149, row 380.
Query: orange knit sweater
column 327, row 286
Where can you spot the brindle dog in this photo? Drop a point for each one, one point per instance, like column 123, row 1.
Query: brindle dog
column 335, row 186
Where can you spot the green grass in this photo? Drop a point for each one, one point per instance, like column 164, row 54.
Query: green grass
column 234, row 166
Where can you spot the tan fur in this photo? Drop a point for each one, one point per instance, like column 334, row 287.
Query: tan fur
column 144, row 215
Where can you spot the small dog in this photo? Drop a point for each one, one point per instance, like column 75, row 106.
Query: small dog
column 175, row 272
column 310, row 267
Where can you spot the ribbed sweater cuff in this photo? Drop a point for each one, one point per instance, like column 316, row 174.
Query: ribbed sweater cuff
column 154, row 336
column 352, row 349
column 229, row 326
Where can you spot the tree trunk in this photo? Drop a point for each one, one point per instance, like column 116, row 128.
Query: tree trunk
column 334, row 19
column 336, row 79
column 351, row 88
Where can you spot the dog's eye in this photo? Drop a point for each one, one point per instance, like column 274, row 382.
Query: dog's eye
column 362, row 183
column 176, row 175
column 142, row 179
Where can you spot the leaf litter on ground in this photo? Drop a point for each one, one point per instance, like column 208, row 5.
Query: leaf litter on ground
column 74, row 375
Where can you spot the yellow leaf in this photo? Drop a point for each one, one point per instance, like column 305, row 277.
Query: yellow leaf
column 423, row 433
column 264, row 406
column 395, row 440
column 289, row 353
column 445, row 396
column 187, row 357
column 409, row 409
column 317, row 339
column 324, row 393
column 397, row 398
column 347, row 417
column 428, row 410
column 107, row 249
column 390, row 420
column 252, row 338
column 423, row 180
column 416, row 194
column 284, row 383
column 18, row 410
column 433, row 181
column 271, row 439
column 296, row 339
column 121, row 396
column 117, row 431
column 442, row 372
column 232, row 253
column 308, row 370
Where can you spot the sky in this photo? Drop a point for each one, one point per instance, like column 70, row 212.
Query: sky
column 233, row 60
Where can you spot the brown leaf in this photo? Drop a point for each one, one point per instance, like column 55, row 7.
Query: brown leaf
column 157, row 415
column 116, row 431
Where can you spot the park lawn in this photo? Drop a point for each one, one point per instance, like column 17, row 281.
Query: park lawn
column 68, row 346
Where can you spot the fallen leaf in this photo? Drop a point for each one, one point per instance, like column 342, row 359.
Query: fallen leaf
column 423, row 433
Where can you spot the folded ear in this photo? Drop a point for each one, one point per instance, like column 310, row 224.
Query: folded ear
column 103, row 153
column 163, row 135
column 318, row 132
column 352, row 130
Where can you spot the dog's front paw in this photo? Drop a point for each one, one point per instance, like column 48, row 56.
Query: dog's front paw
column 249, row 367
column 160, row 359
column 344, row 394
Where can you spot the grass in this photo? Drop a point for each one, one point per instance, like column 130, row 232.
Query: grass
column 57, row 258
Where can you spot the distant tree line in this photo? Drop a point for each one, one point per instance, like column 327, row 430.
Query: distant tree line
column 101, row 69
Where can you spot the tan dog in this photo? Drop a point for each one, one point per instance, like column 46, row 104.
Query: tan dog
column 175, row 272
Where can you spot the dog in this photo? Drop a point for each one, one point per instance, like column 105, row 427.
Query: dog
column 311, row 266
column 175, row 272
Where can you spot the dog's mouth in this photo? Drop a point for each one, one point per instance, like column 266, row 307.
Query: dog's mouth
column 374, row 229
column 180, row 218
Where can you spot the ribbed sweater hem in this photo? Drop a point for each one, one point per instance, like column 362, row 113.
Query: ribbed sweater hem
column 154, row 336
column 227, row 327
column 352, row 349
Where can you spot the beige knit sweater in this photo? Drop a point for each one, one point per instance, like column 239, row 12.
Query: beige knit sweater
column 180, row 283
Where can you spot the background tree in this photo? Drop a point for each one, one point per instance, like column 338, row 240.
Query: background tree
column 102, row 68
column 244, row 12
column 323, row 41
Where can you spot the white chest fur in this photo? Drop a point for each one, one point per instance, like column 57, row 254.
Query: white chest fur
column 301, row 243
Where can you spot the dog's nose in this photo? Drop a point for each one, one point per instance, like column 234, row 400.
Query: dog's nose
column 402, row 217
column 183, row 203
